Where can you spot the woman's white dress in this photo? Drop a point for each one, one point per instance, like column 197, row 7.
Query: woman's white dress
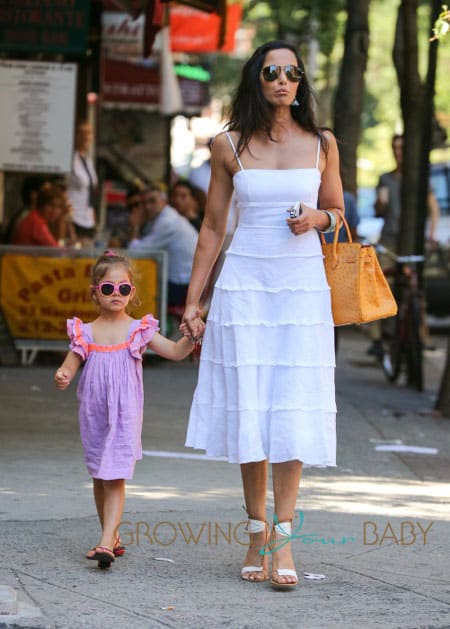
column 266, row 376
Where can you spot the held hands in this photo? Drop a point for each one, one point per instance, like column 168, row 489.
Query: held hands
column 62, row 378
column 308, row 219
column 192, row 325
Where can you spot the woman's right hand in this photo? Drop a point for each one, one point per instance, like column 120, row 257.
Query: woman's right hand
column 194, row 322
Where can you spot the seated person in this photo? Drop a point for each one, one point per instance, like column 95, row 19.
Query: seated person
column 28, row 191
column 33, row 229
column 135, row 220
column 189, row 201
column 171, row 232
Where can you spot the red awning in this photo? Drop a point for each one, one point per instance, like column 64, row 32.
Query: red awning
column 192, row 30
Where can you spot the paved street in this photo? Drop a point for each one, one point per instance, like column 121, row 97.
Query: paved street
column 377, row 526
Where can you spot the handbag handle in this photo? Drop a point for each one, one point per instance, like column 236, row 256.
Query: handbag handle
column 341, row 220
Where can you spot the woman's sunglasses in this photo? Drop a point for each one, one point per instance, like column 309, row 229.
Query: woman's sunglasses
column 272, row 72
column 108, row 288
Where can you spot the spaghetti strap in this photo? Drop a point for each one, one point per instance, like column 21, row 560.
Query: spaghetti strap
column 318, row 152
column 230, row 140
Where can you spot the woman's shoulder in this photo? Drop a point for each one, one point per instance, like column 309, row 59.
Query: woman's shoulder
column 222, row 139
column 327, row 136
column 223, row 154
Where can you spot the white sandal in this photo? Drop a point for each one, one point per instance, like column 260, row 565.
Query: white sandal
column 255, row 526
column 283, row 529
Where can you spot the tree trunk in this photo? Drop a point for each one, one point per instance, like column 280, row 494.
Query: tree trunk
column 443, row 400
column 427, row 134
column 405, row 55
column 349, row 94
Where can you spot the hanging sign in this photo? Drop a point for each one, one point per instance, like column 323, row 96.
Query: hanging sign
column 37, row 110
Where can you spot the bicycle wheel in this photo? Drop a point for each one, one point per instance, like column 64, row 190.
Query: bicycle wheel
column 392, row 358
column 414, row 361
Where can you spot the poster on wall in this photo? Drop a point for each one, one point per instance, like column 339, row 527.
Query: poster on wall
column 37, row 112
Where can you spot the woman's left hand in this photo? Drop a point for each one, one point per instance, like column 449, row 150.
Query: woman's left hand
column 308, row 219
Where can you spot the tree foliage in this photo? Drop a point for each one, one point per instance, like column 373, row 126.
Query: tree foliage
column 300, row 22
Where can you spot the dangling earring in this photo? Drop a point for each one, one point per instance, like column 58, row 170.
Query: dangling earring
column 295, row 103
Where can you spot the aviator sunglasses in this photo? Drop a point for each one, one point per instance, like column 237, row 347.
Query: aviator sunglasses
column 108, row 288
column 272, row 72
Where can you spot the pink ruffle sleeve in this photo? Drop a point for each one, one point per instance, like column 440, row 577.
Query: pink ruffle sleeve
column 142, row 335
column 78, row 341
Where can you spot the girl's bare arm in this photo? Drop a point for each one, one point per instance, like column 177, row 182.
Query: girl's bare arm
column 170, row 349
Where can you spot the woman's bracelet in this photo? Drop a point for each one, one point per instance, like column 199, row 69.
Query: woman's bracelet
column 332, row 224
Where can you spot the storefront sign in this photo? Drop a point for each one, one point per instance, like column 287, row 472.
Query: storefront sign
column 37, row 111
column 44, row 26
column 139, row 83
column 38, row 294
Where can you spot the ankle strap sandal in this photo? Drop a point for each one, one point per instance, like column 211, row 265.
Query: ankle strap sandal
column 255, row 526
column 283, row 530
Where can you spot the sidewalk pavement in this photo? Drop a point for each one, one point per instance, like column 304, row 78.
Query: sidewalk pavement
column 377, row 526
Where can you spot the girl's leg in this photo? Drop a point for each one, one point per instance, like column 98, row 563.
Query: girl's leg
column 286, row 480
column 99, row 497
column 254, row 480
column 113, row 505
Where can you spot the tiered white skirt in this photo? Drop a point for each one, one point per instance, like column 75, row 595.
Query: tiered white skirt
column 266, row 377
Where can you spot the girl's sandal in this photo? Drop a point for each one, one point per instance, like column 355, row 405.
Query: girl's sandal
column 118, row 549
column 282, row 530
column 104, row 556
column 256, row 526
column 90, row 553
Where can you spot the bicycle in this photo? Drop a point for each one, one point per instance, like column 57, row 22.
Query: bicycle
column 401, row 335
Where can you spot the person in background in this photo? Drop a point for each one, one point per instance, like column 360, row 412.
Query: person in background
column 169, row 231
column 82, row 185
column 61, row 224
column 352, row 218
column 388, row 200
column 188, row 201
column 28, row 191
column 388, row 207
column 33, row 229
column 200, row 175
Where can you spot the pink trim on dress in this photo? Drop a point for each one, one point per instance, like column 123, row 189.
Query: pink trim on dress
column 93, row 347
column 142, row 335
column 75, row 332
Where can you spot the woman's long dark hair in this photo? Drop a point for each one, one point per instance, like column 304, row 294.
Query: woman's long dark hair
column 251, row 112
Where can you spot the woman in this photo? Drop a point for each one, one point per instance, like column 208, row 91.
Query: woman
column 265, row 392
column 82, row 186
column 34, row 228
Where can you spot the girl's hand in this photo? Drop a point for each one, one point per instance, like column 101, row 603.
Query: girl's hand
column 62, row 378
column 185, row 331
column 193, row 323
column 308, row 219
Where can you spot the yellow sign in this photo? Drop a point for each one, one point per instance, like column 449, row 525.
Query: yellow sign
column 38, row 294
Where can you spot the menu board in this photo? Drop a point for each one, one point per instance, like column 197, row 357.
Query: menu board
column 37, row 111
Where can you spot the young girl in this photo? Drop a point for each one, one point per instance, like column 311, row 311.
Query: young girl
column 111, row 390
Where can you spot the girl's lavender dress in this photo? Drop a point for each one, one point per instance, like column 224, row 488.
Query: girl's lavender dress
column 111, row 395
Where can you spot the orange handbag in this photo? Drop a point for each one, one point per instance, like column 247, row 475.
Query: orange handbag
column 359, row 290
